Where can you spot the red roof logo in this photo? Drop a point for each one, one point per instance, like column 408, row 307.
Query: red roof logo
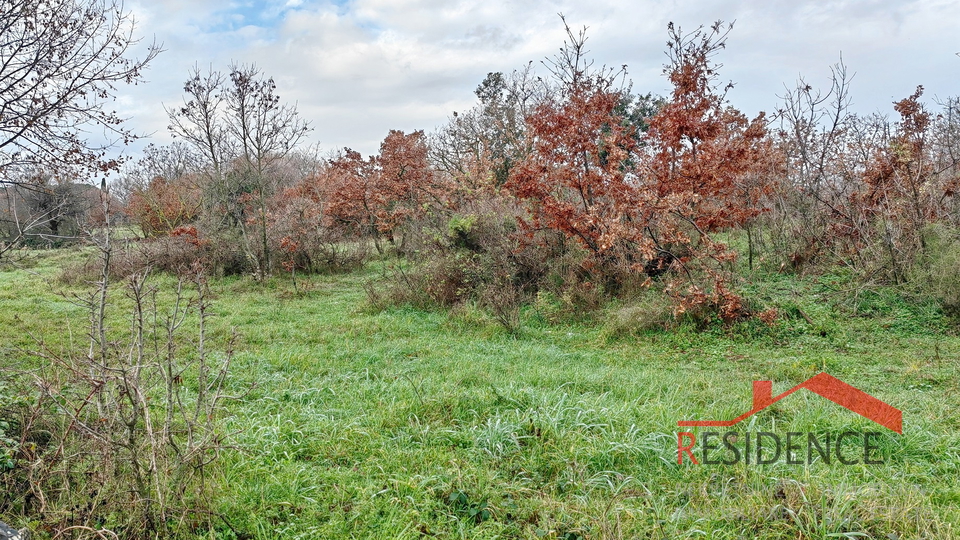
column 826, row 386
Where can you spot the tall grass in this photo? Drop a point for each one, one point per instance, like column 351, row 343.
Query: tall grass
column 410, row 423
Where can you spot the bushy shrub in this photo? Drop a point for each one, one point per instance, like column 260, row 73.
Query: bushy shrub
column 938, row 273
column 118, row 436
column 164, row 205
column 474, row 255
column 178, row 253
column 305, row 239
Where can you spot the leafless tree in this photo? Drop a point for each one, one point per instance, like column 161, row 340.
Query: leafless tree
column 479, row 146
column 238, row 123
column 815, row 129
column 60, row 64
column 170, row 162
column 39, row 210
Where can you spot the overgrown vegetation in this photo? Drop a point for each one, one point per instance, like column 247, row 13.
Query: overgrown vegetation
column 566, row 186
column 491, row 330
column 115, row 434
column 403, row 422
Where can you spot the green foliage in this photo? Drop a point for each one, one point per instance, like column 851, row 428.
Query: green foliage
column 939, row 273
column 476, row 511
column 458, row 230
column 9, row 445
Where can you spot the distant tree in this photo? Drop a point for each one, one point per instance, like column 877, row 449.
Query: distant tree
column 350, row 186
column 639, row 110
column 317, row 222
column 171, row 161
column 407, row 183
column 43, row 211
column 164, row 205
column 478, row 147
column 382, row 196
column 266, row 131
column 60, row 63
column 200, row 123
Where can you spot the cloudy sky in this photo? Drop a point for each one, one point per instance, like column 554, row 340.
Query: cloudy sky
column 358, row 68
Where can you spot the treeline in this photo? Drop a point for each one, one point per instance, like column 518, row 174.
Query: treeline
column 567, row 184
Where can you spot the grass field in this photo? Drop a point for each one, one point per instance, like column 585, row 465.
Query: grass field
column 404, row 423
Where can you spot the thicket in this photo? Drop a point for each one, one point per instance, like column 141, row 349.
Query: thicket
column 567, row 189
column 115, row 435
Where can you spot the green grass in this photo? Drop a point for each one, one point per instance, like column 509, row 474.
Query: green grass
column 426, row 424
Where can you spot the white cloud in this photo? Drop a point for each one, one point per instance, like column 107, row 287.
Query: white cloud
column 359, row 68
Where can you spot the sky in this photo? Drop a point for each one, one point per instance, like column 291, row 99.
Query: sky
column 357, row 68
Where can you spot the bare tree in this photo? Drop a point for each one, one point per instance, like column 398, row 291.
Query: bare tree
column 199, row 122
column 266, row 131
column 242, row 129
column 38, row 210
column 169, row 162
column 478, row 147
column 818, row 138
column 60, row 63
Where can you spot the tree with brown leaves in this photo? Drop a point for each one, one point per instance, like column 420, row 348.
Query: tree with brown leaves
column 646, row 202
column 579, row 176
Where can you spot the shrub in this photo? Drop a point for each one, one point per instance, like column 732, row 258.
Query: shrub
column 165, row 205
column 307, row 241
column 476, row 256
column 121, row 433
column 938, row 274
column 646, row 207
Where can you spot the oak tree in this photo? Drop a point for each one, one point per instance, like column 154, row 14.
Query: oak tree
column 579, row 178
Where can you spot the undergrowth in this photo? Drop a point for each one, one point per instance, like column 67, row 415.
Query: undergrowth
column 407, row 421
